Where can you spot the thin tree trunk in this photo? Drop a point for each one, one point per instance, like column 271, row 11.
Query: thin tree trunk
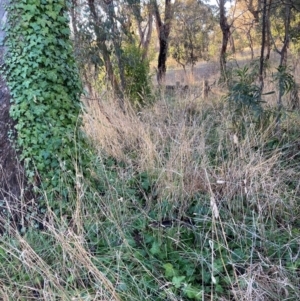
column 74, row 21
column 232, row 45
column 263, row 43
column 283, row 53
column 283, row 61
column 268, row 30
column 163, row 30
column 146, row 33
column 147, row 40
column 116, row 43
column 225, row 27
column 250, row 44
column 101, row 39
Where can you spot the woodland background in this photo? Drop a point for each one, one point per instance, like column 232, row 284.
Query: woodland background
column 150, row 150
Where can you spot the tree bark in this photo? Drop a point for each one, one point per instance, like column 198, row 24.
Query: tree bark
column 146, row 32
column 250, row 43
column 286, row 41
column 163, row 31
column 110, row 10
column 268, row 30
column 146, row 41
column 74, row 20
column 263, row 44
column 254, row 10
column 283, row 61
column 225, row 27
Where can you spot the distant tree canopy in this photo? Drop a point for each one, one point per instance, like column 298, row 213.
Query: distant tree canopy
column 185, row 30
column 192, row 26
column 103, row 31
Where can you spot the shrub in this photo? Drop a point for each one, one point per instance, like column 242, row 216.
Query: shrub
column 136, row 71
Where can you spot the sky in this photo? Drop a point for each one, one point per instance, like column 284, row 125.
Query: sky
column 214, row 2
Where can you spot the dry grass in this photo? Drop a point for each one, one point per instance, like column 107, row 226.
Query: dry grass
column 174, row 140
column 190, row 149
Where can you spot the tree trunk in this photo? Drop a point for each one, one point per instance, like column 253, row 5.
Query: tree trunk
column 268, row 30
column 116, row 42
column 147, row 40
column 250, row 43
column 14, row 189
column 225, row 27
column 74, row 21
column 263, row 44
column 146, row 33
column 286, row 42
column 232, row 45
column 163, row 31
column 283, row 61
column 162, row 57
column 254, row 10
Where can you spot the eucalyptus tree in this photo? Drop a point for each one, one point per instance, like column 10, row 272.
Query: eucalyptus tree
column 192, row 25
column 164, row 16
column 282, row 36
column 245, row 25
column 225, row 28
column 107, row 33
column 142, row 12
column 97, row 29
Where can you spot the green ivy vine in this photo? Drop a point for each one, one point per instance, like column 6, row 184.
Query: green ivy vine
column 43, row 79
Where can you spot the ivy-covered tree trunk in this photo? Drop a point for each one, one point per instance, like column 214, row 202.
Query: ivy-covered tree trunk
column 11, row 171
column 43, row 111
column 12, row 178
column 15, row 192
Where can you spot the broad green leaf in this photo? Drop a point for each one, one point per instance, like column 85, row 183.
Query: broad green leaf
column 155, row 248
column 169, row 270
column 177, row 281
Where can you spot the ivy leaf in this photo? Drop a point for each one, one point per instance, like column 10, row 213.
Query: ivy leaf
column 177, row 281
column 169, row 270
column 35, row 26
column 155, row 248
column 29, row 7
column 26, row 83
column 45, row 31
column 52, row 14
